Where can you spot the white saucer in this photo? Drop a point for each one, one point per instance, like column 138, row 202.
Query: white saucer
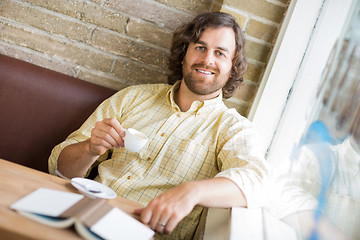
column 106, row 192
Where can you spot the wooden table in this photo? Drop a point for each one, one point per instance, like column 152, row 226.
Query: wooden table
column 16, row 181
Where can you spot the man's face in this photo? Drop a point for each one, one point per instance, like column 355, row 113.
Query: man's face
column 208, row 62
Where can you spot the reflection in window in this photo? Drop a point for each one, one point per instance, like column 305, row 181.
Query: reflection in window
column 320, row 194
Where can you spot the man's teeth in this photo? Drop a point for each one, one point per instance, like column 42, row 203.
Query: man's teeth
column 205, row 72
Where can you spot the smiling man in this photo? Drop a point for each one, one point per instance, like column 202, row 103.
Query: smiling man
column 207, row 65
column 200, row 153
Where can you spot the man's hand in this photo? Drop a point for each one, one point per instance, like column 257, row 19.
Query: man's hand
column 75, row 159
column 164, row 212
column 107, row 134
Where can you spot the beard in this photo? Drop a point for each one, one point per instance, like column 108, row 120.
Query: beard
column 203, row 85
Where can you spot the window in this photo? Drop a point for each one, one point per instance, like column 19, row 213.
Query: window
column 282, row 105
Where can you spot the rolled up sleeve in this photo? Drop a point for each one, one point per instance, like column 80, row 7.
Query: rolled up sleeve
column 241, row 159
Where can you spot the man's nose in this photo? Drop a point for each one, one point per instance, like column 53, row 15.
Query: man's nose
column 209, row 58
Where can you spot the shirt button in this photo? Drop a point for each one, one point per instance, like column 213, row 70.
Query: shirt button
column 148, row 159
column 128, row 177
column 178, row 114
column 162, row 134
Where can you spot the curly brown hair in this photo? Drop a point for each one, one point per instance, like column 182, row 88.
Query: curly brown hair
column 191, row 32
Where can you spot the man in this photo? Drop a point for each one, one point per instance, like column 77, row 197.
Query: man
column 199, row 154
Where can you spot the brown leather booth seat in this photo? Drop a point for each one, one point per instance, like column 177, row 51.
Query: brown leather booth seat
column 39, row 108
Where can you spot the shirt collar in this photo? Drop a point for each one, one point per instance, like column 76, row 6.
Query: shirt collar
column 196, row 105
column 170, row 95
column 348, row 156
column 351, row 151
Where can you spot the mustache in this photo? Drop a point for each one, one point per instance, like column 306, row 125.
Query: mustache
column 206, row 67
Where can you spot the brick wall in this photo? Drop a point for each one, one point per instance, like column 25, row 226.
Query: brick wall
column 116, row 43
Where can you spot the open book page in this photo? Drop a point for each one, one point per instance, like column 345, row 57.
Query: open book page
column 47, row 202
column 110, row 223
column 118, row 225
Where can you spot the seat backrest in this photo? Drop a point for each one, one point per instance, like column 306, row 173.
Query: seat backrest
column 39, row 108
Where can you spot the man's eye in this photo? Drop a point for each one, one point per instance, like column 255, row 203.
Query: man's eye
column 220, row 54
column 201, row 48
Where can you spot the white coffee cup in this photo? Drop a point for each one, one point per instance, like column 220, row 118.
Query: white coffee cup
column 134, row 140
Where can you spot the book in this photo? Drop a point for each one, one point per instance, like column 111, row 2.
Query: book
column 92, row 218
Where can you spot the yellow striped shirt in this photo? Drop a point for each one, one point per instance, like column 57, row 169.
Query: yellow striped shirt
column 207, row 141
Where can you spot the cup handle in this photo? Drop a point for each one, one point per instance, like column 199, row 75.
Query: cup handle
column 126, row 132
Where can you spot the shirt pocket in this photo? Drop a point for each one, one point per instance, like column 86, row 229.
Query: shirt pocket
column 187, row 160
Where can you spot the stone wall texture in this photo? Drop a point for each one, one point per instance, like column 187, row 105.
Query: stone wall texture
column 117, row 43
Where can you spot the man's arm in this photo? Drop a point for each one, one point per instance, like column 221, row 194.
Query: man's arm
column 172, row 206
column 74, row 160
